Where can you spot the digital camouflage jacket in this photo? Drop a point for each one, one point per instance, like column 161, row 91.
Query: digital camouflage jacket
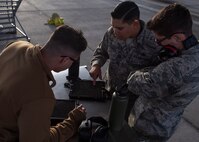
column 125, row 56
column 164, row 92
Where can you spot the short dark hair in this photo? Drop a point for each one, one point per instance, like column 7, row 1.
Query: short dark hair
column 171, row 19
column 70, row 37
column 127, row 11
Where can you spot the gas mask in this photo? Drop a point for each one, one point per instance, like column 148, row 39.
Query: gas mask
column 169, row 51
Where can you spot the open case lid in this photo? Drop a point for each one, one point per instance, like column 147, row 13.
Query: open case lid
column 84, row 89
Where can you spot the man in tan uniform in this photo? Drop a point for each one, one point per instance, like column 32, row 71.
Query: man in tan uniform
column 26, row 97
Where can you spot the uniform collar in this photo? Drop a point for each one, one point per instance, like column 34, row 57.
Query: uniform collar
column 45, row 67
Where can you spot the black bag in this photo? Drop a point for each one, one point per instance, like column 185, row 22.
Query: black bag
column 94, row 129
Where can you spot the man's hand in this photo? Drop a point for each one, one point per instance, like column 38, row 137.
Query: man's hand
column 81, row 108
column 95, row 72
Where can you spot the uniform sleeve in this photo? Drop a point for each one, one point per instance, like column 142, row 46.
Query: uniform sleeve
column 34, row 123
column 156, row 81
column 152, row 47
column 66, row 129
column 100, row 54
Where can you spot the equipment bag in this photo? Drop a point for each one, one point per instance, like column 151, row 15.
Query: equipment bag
column 94, row 129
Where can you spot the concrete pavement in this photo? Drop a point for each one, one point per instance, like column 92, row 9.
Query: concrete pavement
column 93, row 18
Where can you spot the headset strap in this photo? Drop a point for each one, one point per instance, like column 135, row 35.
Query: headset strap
column 99, row 120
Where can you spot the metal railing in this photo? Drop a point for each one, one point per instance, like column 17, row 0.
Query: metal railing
column 10, row 26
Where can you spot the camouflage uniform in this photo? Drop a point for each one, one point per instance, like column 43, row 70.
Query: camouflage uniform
column 125, row 56
column 164, row 92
